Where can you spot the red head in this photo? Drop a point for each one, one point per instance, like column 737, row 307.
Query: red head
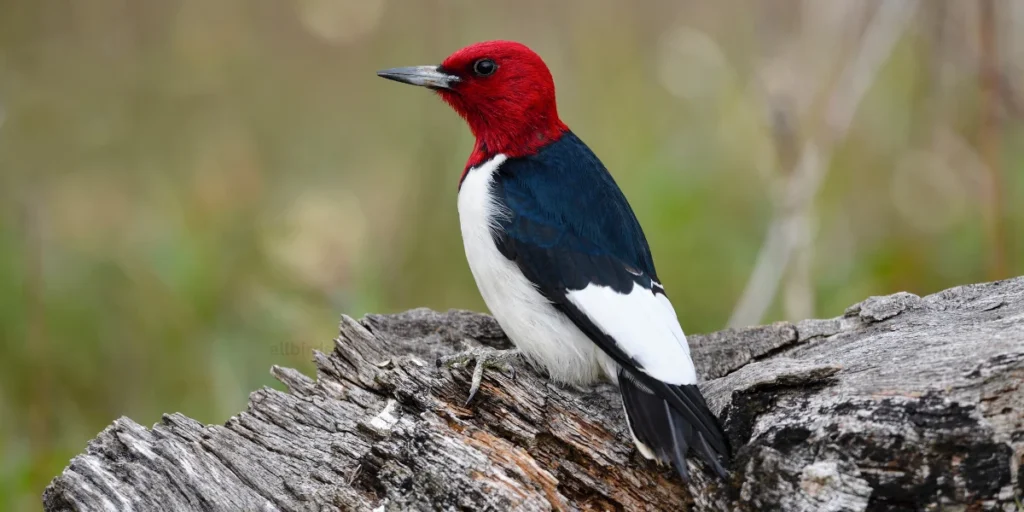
column 502, row 89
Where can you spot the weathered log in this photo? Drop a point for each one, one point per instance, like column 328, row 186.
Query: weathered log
column 903, row 403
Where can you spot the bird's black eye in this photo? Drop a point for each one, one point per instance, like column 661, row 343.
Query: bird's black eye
column 484, row 67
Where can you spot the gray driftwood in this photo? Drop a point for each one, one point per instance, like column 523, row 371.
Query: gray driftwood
column 903, row 403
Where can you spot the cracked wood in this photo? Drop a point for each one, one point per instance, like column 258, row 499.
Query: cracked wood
column 901, row 403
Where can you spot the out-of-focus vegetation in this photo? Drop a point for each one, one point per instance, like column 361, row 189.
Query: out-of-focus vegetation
column 193, row 190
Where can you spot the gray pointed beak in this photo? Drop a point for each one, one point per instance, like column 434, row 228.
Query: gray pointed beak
column 423, row 76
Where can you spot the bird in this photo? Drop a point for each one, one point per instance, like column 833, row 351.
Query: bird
column 559, row 256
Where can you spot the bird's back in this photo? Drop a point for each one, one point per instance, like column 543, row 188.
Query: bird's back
column 565, row 186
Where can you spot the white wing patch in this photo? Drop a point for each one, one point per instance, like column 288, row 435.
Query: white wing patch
column 644, row 325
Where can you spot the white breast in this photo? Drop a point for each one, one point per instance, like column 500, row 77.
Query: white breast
column 530, row 321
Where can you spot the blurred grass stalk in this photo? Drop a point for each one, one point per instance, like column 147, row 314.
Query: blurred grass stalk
column 29, row 210
column 989, row 141
column 789, row 242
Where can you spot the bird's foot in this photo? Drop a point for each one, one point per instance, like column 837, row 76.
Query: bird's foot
column 485, row 358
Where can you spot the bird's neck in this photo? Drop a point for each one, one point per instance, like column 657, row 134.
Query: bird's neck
column 514, row 142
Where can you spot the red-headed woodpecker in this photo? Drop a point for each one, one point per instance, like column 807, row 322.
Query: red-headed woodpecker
column 559, row 256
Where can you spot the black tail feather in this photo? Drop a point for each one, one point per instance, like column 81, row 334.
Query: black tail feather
column 708, row 456
column 681, row 433
column 670, row 420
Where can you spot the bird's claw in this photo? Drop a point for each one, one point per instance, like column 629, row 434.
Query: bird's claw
column 485, row 358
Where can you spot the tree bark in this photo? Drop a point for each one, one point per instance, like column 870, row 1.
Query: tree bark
column 903, row 403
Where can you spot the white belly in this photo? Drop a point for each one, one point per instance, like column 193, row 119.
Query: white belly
column 539, row 330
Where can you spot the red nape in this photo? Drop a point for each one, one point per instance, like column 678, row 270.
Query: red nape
column 482, row 153
column 511, row 110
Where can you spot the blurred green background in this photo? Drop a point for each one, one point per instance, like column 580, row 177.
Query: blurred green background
column 194, row 190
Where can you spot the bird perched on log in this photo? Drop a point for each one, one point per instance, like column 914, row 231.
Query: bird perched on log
column 560, row 258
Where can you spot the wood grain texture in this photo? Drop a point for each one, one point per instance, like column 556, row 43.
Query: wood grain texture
column 903, row 403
